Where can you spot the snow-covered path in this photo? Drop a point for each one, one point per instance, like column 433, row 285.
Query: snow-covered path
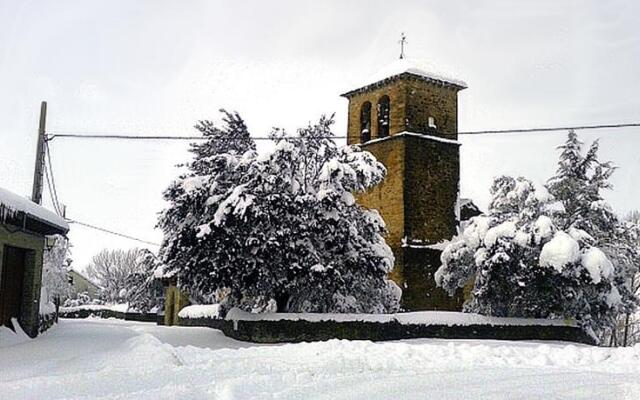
column 111, row 359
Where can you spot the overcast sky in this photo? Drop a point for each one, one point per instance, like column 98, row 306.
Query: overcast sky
column 155, row 67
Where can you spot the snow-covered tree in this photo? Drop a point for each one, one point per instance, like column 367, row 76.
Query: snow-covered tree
column 233, row 138
column 282, row 231
column 626, row 331
column 81, row 299
column 188, row 194
column 522, row 265
column 141, row 285
column 578, row 185
column 55, row 275
column 111, row 270
column 545, row 255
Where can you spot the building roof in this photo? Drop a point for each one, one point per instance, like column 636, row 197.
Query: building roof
column 406, row 67
column 40, row 220
column 89, row 281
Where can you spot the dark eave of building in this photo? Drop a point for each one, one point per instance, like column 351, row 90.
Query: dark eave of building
column 29, row 223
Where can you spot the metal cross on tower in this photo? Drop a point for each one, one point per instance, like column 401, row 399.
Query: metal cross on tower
column 403, row 41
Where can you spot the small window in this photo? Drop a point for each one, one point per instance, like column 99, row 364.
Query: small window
column 383, row 116
column 365, row 122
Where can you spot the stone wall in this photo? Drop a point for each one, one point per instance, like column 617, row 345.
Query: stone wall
column 306, row 331
column 32, row 280
column 426, row 99
column 397, row 98
column 431, row 180
column 420, row 292
column 417, row 201
column 127, row 316
column 280, row 331
column 413, row 101
column 388, row 196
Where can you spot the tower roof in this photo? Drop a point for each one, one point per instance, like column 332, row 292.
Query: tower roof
column 405, row 67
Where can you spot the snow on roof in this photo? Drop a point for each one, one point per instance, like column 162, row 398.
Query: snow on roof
column 407, row 66
column 11, row 203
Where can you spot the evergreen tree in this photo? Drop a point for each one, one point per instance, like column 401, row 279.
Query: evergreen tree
column 522, row 265
column 626, row 331
column 232, row 138
column 187, row 194
column 282, row 231
column 578, row 185
column 555, row 256
column 140, row 286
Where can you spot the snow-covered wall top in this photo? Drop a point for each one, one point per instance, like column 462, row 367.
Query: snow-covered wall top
column 123, row 307
column 12, row 203
column 414, row 134
column 448, row 318
column 200, row 311
column 407, row 66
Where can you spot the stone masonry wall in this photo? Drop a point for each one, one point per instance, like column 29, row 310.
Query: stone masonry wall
column 420, row 291
column 32, row 280
column 412, row 102
column 417, row 201
column 425, row 99
column 388, row 197
column 307, row 331
column 397, row 99
column 431, row 180
column 418, row 197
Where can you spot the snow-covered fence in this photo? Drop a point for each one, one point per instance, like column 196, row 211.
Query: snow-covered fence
column 275, row 328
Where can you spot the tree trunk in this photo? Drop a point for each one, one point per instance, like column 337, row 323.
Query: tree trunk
column 626, row 330
column 281, row 300
column 56, row 302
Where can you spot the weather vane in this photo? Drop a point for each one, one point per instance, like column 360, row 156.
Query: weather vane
column 403, row 41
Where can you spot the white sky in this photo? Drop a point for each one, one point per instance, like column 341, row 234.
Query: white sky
column 155, row 67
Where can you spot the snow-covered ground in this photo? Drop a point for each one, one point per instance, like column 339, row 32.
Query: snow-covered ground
column 113, row 359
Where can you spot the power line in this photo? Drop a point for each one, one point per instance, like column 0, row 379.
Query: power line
column 53, row 198
column 54, row 192
column 71, row 221
column 553, row 129
column 124, row 136
column 143, row 137
column 120, row 136
column 56, row 204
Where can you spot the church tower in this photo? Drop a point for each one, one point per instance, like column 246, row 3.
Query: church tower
column 408, row 118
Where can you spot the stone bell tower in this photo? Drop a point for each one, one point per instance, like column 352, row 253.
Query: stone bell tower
column 408, row 118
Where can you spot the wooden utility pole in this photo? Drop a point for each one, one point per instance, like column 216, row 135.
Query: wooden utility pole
column 36, row 193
